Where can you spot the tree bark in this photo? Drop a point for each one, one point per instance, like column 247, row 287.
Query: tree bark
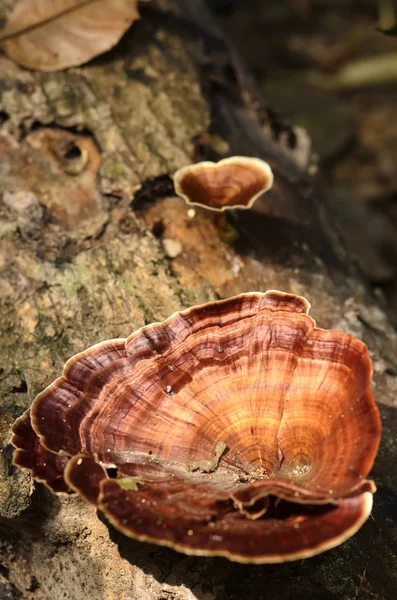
column 87, row 204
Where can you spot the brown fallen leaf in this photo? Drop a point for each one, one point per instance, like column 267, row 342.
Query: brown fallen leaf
column 50, row 35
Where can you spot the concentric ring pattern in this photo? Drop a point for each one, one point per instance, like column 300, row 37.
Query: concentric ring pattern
column 236, row 428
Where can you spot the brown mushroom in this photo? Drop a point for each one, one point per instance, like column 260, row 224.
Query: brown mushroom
column 236, row 428
column 234, row 182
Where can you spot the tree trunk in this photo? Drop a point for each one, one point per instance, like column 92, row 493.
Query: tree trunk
column 86, row 216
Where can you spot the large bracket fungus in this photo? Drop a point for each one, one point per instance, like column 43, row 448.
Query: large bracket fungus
column 234, row 182
column 236, row 428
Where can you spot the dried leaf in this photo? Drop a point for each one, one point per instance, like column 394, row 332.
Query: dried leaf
column 50, row 35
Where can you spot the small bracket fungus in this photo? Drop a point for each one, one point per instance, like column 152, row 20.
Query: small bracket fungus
column 236, row 428
column 234, row 182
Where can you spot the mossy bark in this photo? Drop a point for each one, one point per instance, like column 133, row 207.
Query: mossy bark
column 86, row 158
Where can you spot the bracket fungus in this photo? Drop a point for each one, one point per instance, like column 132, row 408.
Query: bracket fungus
column 234, row 182
column 236, row 428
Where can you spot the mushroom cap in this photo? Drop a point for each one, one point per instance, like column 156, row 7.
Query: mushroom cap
column 232, row 421
column 231, row 183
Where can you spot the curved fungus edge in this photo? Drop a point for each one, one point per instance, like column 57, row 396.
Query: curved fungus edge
column 366, row 502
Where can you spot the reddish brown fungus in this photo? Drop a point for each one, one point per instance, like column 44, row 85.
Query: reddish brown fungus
column 234, row 182
column 236, row 428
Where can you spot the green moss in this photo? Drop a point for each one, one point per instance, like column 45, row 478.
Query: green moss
column 112, row 169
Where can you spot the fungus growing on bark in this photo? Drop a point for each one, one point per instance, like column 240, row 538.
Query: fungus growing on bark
column 236, row 428
column 234, row 182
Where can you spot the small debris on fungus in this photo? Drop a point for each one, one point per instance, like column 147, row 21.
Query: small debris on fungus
column 252, row 374
column 130, row 483
column 208, row 466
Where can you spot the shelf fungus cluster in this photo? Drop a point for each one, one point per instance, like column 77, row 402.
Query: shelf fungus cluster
column 236, row 428
column 231, row 183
